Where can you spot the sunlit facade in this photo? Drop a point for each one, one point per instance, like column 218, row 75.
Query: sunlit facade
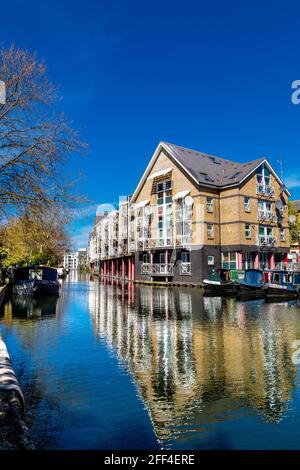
column 192, row 212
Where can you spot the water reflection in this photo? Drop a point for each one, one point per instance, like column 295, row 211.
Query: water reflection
column 199, row 360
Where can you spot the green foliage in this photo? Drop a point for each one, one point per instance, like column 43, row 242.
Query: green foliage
column 38, row 237
column 294, row 226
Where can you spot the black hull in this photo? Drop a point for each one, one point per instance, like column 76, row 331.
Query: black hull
column 217, row 290
column 249, row 291
column 278, row 293
column 46, row 289
column 36, row 288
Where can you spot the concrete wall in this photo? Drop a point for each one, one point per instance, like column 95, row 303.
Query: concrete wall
column 14, row 433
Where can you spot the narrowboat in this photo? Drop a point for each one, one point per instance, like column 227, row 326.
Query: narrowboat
column 35, row 280
column 252, row 285
column 282, row 284
column 219, row 283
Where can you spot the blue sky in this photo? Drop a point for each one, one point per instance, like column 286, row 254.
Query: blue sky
column 213, row 76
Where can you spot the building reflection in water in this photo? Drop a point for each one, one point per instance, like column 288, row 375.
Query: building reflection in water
column 196, row 360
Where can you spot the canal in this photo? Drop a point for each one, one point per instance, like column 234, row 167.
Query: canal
column 144, row 367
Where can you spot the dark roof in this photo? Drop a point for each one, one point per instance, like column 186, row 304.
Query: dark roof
column 209, row 169
column 297, row 205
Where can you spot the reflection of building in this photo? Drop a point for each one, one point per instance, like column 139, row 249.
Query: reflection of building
column 195, row 360
column 76, row 259
column 191, row 212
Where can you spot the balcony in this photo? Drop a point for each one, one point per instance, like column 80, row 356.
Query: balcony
column 183, row 240
column 266, row 241
column 157, row 269
column 266, row 215
column 265, row 190
column 123, row 249
column 185, row 269
column 163, row 242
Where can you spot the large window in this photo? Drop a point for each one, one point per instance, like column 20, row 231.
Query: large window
column 209, row 204
column 247, row 206
column 164, row 213
column 263, row 176
column 183, row 222
column 265, row 210
column 229, row 260
column 265, row 235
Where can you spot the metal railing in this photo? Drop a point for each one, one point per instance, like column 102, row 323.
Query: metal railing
column 268, row 240
column 157, row 269
column 183, row 240
column 265, row 189
column 185, row 268
column 266, row 215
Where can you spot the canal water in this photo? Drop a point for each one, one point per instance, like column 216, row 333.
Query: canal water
column 144, row 367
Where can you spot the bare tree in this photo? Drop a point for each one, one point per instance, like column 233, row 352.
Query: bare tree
column 35, row 142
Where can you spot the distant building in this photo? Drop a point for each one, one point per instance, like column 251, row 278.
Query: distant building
column 75, row 259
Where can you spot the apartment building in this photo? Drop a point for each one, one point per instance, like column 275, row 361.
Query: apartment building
column 76, row 259
column 295, row 247
column 192, row 212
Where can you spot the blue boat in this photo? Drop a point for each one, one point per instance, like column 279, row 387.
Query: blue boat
column 35, row 280
column 282, row 284
column 252, row 285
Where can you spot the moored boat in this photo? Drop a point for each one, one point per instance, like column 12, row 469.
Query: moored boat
column 35, row 280
column 252, row 285
column 282, row 284
column 219, row 283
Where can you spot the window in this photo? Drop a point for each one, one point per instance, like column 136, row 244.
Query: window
column 282, row 235
column 229, row 260
column 164, row 213
column 247, row 231
column 263, row 176
column 185, row 257
column 209, row 204
column 297, row 279
column 265, row 235
column 146, row 258
column 210, row 231
column 265, row 211
column 164, row 192
column 247, row 204
column 210, row 260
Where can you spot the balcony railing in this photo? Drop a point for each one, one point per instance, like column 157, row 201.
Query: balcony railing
column 268, row 240
column 185, row 268
column 265, row 190
column 183, row 240
column 266, row 215
column 168, row 241
column 157, row 269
